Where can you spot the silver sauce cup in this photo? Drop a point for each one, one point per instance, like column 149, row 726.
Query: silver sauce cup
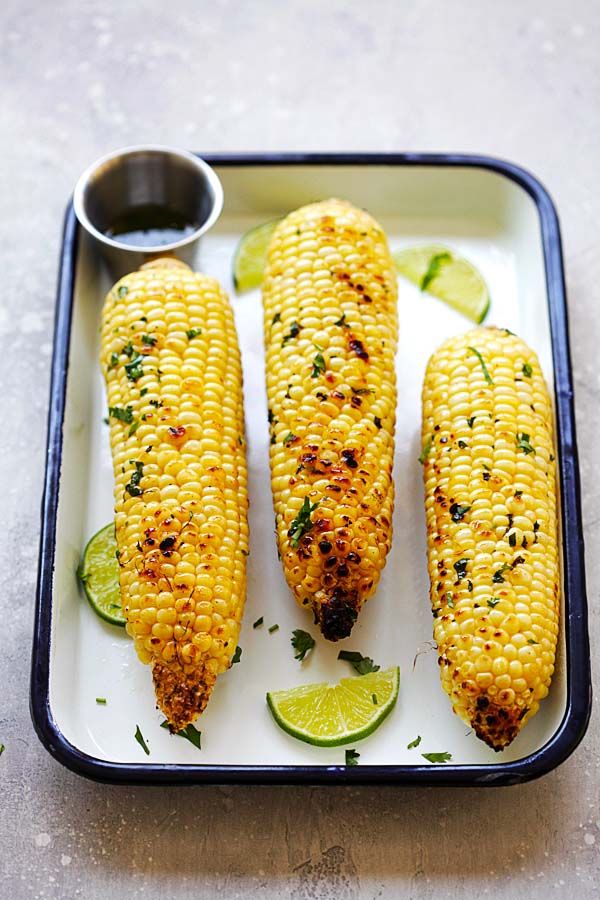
column 146, row 175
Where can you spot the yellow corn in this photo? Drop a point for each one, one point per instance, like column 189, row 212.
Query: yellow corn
column 490, row 499
column 172, row 367
column 330, row 323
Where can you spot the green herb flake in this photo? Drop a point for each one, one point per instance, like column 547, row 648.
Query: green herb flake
column 101, row 701
column 498, row 574
column 433, row 270
column 122, row 291
column 140, row 739
column 276, row 318
column 462, row 445
column 512, row 539
column 190, row 734
column 374, row 699
column 470, row 421
column 318, row 366
column 132, row 487
column 527, row 370
column 289, row 438
column 2, row 749
column 361, row 664
column 302, row 524
column 143, row 392
column 302, row 642
column 531, row 641
column 493, row 602
column 149, row 340
column 518, row 493
column 236, row 656
column 426, row 450
column 342, row 322
column 352, row 757
column 461, row 568
column 294, row 331
column 134, row 427
column 486, row 374
column 123, row 415
column 443, row 757
column 128, row 349
column 523, row 444
column 360, row 391
column 134, row 368
column 258, row 622
column 193, row 332
column 458, row 512
column 450, row 599
column 273, row 628
column 114, row 359
column 414, row 743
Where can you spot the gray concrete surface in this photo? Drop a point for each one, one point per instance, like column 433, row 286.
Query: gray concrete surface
column 519, row 79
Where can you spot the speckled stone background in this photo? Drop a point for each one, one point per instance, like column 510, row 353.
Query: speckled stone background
column 518, row 79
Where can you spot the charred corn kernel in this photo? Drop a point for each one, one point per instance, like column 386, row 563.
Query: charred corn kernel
column 330, row 321
column 490, row 502
column 173, row 377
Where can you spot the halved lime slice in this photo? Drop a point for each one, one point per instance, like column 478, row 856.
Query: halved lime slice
column 250, row 257
column 331, row 714
column 99, row 574
column 450, row 277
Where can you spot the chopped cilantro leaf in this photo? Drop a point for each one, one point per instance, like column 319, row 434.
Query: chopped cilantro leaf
column 276, row 318
column 302, row 524
column 289, row 438
column 123, row 415
column 140, row 739
column 414, row 743
column 193, row 332
column 236, row 656
column 101, row 701
column 122, row 291
column 361, row 664
column 294, row 331
column 523, row 443
column 470, row 421
column 342, row 322
column 458, row 512
column 352, row 757
column 527, row 370
column 433, row 270
column 114, row 359
column 498, row 574
column 134, row 368
column 486, row 374
column 450, row 599
column 149, row 340
column 443, row 757
column 190, row 733
column 273, row 628
column 461, row 568
column 318, row 366
column 302, row 642
column 258, row 622
column 426, row 450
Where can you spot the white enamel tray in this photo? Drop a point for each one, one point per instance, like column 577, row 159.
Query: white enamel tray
column 501, row 219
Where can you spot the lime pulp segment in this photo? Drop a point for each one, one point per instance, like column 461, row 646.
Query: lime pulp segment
column 251, row 255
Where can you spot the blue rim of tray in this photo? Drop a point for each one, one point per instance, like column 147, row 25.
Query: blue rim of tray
column 578, row 705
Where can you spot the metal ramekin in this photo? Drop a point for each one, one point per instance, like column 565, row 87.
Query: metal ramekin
column 148, row 174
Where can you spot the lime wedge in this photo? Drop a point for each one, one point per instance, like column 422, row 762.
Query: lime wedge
column 331, row 714
column 250, row 257
column 99, row 574
column 446, row 275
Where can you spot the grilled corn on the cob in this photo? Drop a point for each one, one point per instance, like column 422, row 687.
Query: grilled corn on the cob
column 172, row 367
column 330, row 323
column 490, row 497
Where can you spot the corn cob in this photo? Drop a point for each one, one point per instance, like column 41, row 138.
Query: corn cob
column 172, row 367
column 490, row 500
column 330, row 324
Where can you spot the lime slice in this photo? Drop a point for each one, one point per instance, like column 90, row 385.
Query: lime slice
column 250, row 257
column 99, row 574
column 447, row 276
column 331, row 714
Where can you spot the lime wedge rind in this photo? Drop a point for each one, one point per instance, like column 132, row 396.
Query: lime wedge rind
column 303, row 712
column 250, row 256
column 457, row 282
column 99, row 575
